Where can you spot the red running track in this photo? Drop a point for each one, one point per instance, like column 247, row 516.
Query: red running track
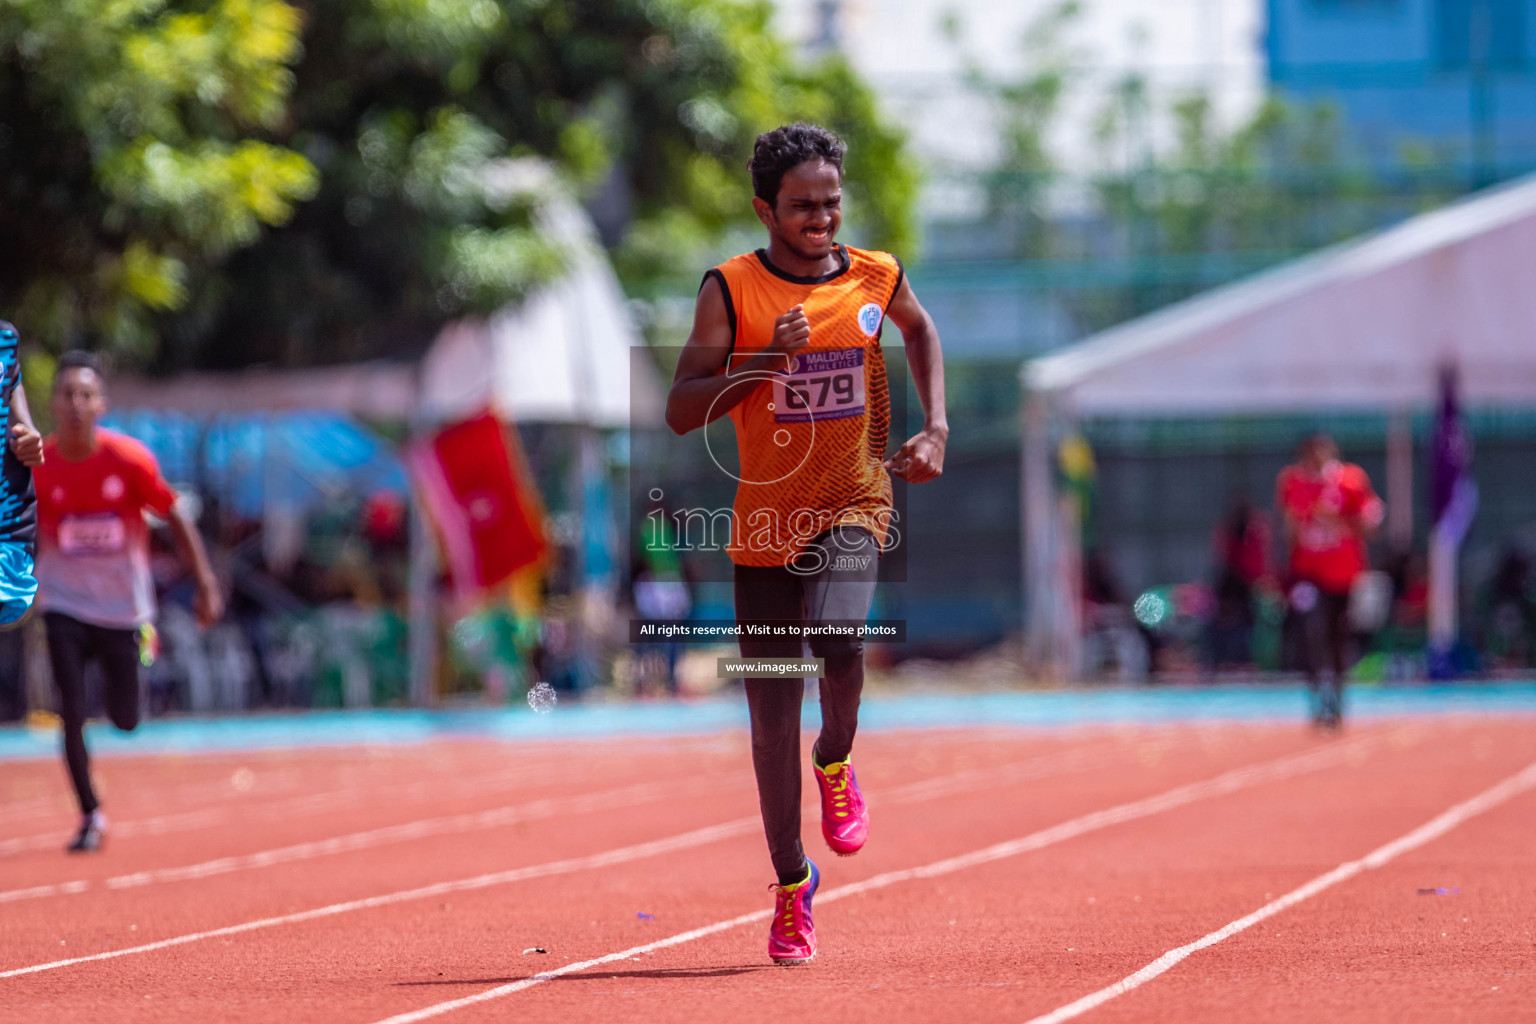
column 1011, row 876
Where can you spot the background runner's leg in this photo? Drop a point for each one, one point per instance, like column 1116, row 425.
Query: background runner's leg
column 1314, row 645
column 1337, row 606
column 118, row 651
column 66, row 653
column 773, row 592
column 842, row 591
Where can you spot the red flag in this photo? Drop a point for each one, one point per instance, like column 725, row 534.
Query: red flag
column 475, row 483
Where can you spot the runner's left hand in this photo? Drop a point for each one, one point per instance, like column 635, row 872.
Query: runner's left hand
column 922, row 458
column 27, row 444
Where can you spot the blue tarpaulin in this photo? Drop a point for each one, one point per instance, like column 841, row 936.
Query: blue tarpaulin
column 297, row 459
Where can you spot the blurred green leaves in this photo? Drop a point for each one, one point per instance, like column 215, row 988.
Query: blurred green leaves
column 234, row 181
column 214, row 196
column 235, row 54
column 155, row 282
column 125, row 136
column 485, row 268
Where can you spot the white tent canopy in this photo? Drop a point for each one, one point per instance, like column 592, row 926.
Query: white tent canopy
column 1365, row 324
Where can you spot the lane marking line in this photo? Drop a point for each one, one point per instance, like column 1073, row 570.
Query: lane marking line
column 276, row 799
column 276, row 782
column 280, row 803
column 282, row 808
column 1230, row 781
column 156, row 826
column 536, row 810
column 1058, row 763
column 1429, row 831
column 1221, row 785
column 671, row 844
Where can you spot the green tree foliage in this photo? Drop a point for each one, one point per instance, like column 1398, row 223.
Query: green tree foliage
column 1025, row 111
column 259, row 180
column 131, row 155
column 1282, row 182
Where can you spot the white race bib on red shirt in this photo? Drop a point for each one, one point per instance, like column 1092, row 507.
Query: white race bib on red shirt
column 101, row 534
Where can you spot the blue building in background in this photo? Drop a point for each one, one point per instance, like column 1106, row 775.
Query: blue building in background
column 1439, row 82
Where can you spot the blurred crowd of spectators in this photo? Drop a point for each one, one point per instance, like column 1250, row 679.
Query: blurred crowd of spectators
column 1239, row 620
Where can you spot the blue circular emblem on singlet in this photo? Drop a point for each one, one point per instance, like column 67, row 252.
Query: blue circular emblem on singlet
column 870, row 315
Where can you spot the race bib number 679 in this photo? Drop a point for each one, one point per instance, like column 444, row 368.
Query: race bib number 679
column 826, row 385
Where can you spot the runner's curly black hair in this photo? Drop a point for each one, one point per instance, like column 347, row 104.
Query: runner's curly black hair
column 789, row 146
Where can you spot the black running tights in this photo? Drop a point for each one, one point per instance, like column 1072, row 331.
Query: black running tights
column 841, row 590
column 72, row 644
column 1326, row 627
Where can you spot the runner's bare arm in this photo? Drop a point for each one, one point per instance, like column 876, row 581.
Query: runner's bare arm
column 26, row 442
column 700, row 392
column 1373, row 512
column 208, row 602
column 922, row 458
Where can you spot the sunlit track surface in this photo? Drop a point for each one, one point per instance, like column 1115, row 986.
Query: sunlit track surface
column 1012, row 874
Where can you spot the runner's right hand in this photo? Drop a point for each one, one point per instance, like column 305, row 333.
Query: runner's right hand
column 27, row 444
column 791, row 333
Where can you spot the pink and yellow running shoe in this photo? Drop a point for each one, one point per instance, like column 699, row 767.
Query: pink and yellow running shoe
column 844, row 816
column 792, row 937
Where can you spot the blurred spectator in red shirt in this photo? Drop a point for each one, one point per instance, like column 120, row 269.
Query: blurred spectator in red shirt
column 1241, row 545
column 1329, row 509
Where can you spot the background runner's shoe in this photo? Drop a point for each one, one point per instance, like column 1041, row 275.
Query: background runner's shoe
column 93, row 831
column 844, row 817
column 792, row 936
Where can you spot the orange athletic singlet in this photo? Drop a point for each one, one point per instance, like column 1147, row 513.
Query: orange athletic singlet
column 811, row 436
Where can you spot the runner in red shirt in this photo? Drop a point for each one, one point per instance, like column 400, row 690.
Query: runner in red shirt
column 1329, row 510
column 95, row 589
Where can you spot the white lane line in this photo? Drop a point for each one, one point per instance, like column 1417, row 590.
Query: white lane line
column 274, row 782
column 1286, row 766
column 372, row 838
column 349, row 765
column 1058, row 763
column 270, row 803
column 623, row 854
column 1221, row 785
column 438, row 1009
column 37, row 891
column 156, row 826
column 274, row 807
column 356, row 780
column 1429, row 831
column 286, row 808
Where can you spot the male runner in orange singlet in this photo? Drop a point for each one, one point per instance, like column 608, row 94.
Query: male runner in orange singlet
column 786, row 340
